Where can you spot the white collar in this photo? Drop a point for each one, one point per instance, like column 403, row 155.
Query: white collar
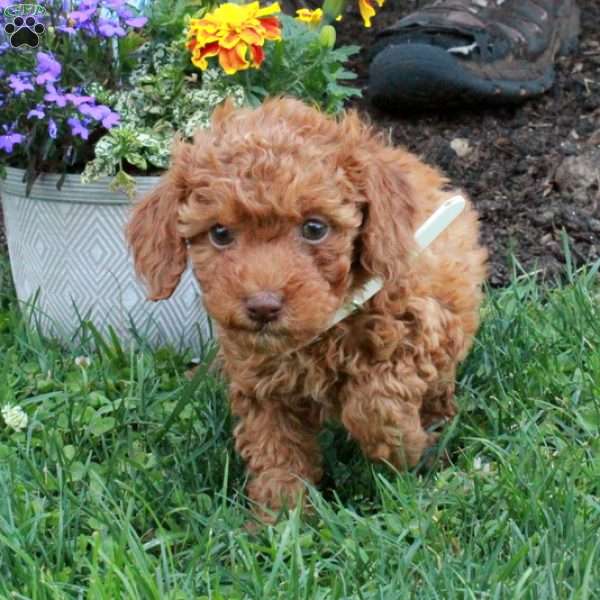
column 440, row 220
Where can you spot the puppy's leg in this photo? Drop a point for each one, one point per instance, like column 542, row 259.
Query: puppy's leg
column 382, row 415
column 279, row 445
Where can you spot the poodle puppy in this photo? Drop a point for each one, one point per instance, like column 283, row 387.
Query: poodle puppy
column 285, row 213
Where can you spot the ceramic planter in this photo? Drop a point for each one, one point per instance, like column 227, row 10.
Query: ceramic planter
column 69, row 261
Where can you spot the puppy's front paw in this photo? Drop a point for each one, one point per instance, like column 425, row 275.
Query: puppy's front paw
column 408, row 453
column 273, row 490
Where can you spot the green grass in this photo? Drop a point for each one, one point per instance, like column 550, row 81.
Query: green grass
column 125, row 484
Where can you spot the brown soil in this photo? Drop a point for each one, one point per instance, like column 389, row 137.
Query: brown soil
column 513, row 172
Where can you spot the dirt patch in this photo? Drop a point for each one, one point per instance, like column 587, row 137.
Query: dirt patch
column 531, row 170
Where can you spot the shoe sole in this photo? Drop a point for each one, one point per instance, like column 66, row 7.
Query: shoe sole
column 421, row 76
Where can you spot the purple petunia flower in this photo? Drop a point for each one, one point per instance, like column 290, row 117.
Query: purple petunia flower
column 110, row 28
column 54, row 96
column 96, row 112
column 111, row 120
column 100, row 113
column 126, row 15
column 52, row 129
column 81, row 17
column 80, row 20
column 19, row 85
column 78, row 128
column 48, row 69
column 136, row 21
column 36, row 112
column 9, row 140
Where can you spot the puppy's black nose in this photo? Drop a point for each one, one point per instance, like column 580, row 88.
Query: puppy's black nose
column 264, row 307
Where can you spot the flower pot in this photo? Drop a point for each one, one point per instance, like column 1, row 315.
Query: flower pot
column 70, row 262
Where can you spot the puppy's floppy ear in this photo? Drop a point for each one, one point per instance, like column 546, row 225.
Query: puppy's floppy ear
column 377, row 173
column 160, row 255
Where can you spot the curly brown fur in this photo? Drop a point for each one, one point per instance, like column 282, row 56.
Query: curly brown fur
column 386, row 372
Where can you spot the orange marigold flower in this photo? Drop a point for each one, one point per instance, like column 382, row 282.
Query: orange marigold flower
column 236, row 33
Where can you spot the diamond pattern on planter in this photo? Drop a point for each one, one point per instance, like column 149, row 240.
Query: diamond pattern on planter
column 75, row 254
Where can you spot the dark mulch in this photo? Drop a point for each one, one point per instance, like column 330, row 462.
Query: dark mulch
column 514, row 169
column 531, row 169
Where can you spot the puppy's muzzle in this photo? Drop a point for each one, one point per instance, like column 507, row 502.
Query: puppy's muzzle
column 264, row 307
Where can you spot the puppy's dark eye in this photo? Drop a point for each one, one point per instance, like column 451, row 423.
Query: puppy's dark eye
column 220, row 236
column 314, row 230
